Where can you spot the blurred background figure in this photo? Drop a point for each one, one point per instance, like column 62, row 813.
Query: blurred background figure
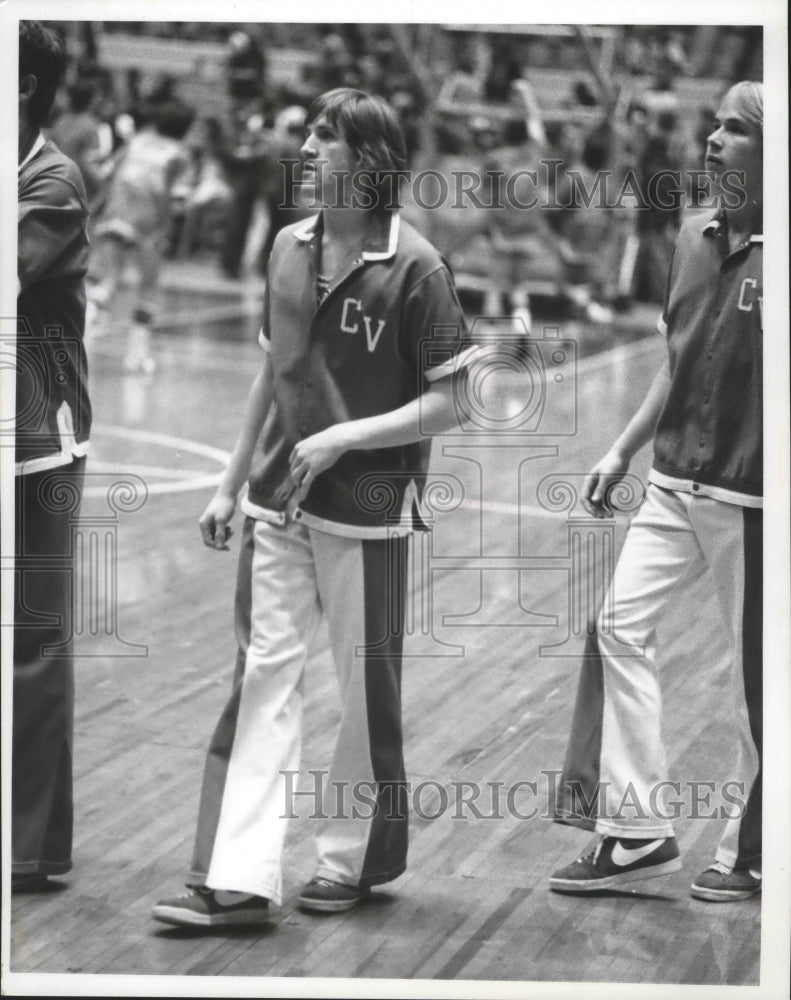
column 209, row 199
column 657, row 223
column 618, row 99
column 245, row 72
column 246, row 158
column 285, row 142
column 78, row 133
column 136, row 222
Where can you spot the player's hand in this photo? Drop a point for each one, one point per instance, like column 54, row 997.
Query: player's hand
column 600, row 480
column 214, row 521
column 316, row 454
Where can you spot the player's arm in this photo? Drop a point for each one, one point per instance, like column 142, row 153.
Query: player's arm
column 638, row 432
column 51, row 216
column 432, row 413
column 215, row 519
column 430, row 303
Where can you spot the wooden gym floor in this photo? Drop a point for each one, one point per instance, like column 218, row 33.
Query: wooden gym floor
column 489, row 684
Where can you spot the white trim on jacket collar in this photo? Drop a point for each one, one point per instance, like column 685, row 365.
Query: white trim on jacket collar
column 37, row 146
column 306, row 233
column 715, row 224
column 392, row 242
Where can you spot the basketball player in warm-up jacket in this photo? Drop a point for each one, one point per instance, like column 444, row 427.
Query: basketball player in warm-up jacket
column 345, row 399
column 702, row 515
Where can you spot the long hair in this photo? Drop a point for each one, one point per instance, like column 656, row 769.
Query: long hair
column 371, row 129
column 749, row 96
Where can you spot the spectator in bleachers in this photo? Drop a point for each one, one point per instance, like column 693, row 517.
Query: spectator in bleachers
column 245, row 72
column 245, row 158
column 675, row 53
column 505, row 68
column 526, row 249
column 582, row 94
column 405, row 106
column 661, row 97
column 584, row 221
column 658, row 221
column 335, row 61
column 485, row 133
column 284, row 143
column 210, row 195
column 633, row 52
column 165, row 88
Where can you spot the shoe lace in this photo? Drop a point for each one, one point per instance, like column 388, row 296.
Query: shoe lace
column 723, row 869
column 198, row 890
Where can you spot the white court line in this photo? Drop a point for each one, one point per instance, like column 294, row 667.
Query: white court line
column 200, row 480
column 208, row 481
column 166, row 440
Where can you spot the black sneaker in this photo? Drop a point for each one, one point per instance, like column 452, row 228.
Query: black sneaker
column 721, row 884
column 29, row 882
column 200, row 908
column 322, row 895
column 615, row 861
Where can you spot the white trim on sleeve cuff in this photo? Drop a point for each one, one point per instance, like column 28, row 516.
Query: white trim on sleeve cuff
column 460, row 360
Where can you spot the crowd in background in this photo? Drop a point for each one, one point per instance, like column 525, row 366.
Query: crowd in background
column 230, row 174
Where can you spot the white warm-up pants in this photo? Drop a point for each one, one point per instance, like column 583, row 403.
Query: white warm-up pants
column 289, row 577
column 615, row 777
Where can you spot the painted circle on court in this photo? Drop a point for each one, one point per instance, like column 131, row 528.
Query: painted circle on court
column 168, row 464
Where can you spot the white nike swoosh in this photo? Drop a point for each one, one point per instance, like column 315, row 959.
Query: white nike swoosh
column 623, row 856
